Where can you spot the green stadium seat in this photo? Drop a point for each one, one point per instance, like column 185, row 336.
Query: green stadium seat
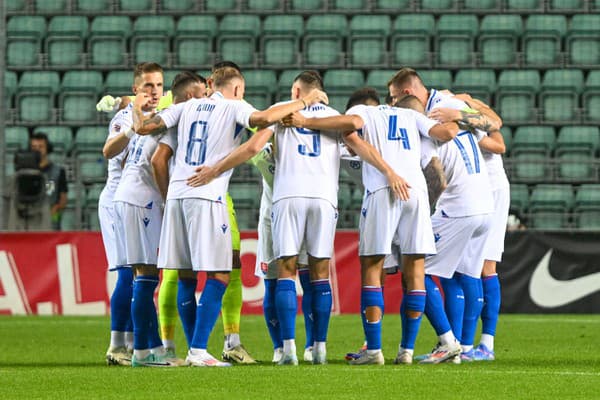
column 82, row 81
column 118, row 83
column 91, row 219
column 584, row 139
column 150, row 39
column 583, row 41
column 92, row 195
column 93, row 7
column 280, row 41
column 393, row 5
column 507, row 135
column 338, row 101
column 438, row 5
column 343, row 81
column 70, row 220
column 307, row 6
column 410, row 40
column 10, row 86
column 350, row 6
column 23, row 41
column 65, row 41
column 91, row 168
column 221, row 6
column 90, row 139
column 542, row 38
column 436, row 78
column 515, row 95
column 61, row 137
column 136, row 6
column 245, row 195
column 35, row 98
column 523, row 6
column 323, row 41
column 107, row 43
column 247, row 218
column 261, row 85
column 482, row 6
column 559, row 96
column 591, row 97
column 534, row 139
column 344, row 196
column 566, row 6
column 193, row 43
column 588, row 220
column 587, row 197
column 78, row 108
column 576, row 167
column 455, row 40
column 498, row 40
column 479, row 83
column 548, row 220
column 378, row 79
column 179, row 6
column 16, row 138
column 367, row 40
column 519, row 198
column 264, row 6
column 237, row 39
column 549, row 206
column 44, row 7
column 285, row 81
column 16, row 6
column 531, row 167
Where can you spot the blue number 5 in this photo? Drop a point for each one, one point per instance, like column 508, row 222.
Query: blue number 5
column 196, row 147
column 316, row 135
column 397, row 134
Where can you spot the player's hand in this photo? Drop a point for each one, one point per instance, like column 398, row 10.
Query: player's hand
column 296, row 119
column 141, row 99
column 203, row 175
column 316, row 96
column 444, row 115
column 399, row 186
column 108, row 104
column 446, row 92
column 464, row 97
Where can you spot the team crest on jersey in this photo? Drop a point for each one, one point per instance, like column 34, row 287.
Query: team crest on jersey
column 146, row 221
column 355, row 164
column 224, row 228
column 149, row 205
column 220, row 199
column 436, row 237
column 363, row 212
column 264, row 267
column 336, row 215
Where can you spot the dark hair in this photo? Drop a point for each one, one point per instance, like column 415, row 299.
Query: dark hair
column 182, row 80
column 226, row 63
column 146, row 67
column 389, row 100
column 310, row 78
column 362, row 96
column 404, row 77
column 42, row 136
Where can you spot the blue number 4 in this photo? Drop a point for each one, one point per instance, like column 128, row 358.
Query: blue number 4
column 398, row 134
column 196, row 147
column 316, row 135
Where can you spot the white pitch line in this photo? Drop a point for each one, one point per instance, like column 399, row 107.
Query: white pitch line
column 555, row 319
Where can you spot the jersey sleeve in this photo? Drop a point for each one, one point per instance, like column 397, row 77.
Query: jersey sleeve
column 424, row 124
column 171, row 115
column 120, row 123
column 170, row 139
column 451, row 102
column 428, row 151
column 243, row 111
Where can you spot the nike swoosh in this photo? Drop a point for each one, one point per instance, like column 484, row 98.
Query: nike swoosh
column 547, row 292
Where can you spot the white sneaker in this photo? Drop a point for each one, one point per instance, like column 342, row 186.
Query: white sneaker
column 277, row 354
column 319, row 357
column 404, row 357
column 442, row 353
column 369, row 359
column 204, row 360
column 288, row 359
column 118, row 356
column 308, row 354
column 151, row 360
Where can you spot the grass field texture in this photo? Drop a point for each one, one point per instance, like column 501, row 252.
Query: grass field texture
column 538, row 357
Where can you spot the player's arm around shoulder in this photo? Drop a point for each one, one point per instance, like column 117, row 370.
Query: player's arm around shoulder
column 493, row 142
column 273, row 114
column 338, row 123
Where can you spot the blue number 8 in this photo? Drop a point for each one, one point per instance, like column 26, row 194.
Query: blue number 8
column 196, row 148
column 398, row 134
column 302, row 149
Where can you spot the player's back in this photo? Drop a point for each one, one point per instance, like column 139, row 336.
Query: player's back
column 307, row 161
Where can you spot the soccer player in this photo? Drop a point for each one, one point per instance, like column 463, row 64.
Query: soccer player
column 461, row 224
column 396, row 134
column 208, row 129
column 138, row 210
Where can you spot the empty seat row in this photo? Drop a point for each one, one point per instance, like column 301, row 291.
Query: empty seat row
column 294, row 6
column 544, row 140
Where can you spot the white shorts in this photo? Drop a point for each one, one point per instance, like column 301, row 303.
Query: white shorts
column 137, row 232
column 106, row 216
column 264, row 247
column 196, row 235
column 494, row 247
column 385, row 220
column 459, row 243
column 299, row 220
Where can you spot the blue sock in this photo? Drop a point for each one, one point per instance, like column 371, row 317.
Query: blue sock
column 404, row 323
column 307, row 308
column 414, row 300
column 270, row 313
column 142, row 308
column 473, row 305
column 454, row 303
column 186, row 306
column 120, row 301
column 287, row 307
column 491, row 304
column 154, row 339
column 208, row 311
column 434, row 307
column 372, row 297
column 321, row 308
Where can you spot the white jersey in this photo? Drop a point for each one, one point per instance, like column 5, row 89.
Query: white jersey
column 307, row 162
column 428, row 151
column 208, row 130
column 495, row 167
column 121, row 122
column 396, row 134
column 468, row 192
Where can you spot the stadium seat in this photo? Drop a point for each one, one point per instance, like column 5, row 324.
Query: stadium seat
column 515, row 95
column 550, row 205
column 438, row 5
column 136, row 6
column 193, row 43
column 479, row 83
column 150, row 39
column 576, row 167
column 498, row 40
column 507, row 135
column 591, row 97
column 439, row 79
column 264, row 6
column 35, row 97
column 93, row 7
column 90, row 139
column 70, row 220
column 45, row 7
column 23, row 41
column 16, row 6
column 524, row 6
column 410, row 40
column 519, row 198
column 323, row 41
column 61, row 137
column 91, row 219
column 16, row 138
column 350, row 6
column 482, row 6
column 587, row 197
column 542, row 39
column 454, row 41
column 280, row 41
column 187, row 7
column 534, row 139
column 307, row 6
column 531, row 167
column 367, row 40
column 10, row 87
column 343, row 80
column 237, row 39
column 93, row 195
column 566, row 6
column 107, row 43
column 247, row 218
column 583, row 41
column 585, row 139
column 90, row 168
column 588, row 220
column 65, row 41
column 344, row 195
column 559, row 96
column 245, row 195
column 285, row 82
column 261, row 85
column 393, row 5
column 118, row 83
column 379, row 79
column 221, row 6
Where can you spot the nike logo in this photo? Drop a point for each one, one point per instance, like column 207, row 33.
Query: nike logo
column 547, row 292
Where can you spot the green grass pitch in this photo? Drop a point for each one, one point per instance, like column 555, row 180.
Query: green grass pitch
column 538, row 357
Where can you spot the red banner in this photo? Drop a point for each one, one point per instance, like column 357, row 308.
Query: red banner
column 66, row 273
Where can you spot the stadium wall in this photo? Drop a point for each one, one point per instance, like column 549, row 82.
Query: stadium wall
column 66, row 274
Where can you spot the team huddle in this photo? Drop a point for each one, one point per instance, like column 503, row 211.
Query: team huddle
column 165, row 207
